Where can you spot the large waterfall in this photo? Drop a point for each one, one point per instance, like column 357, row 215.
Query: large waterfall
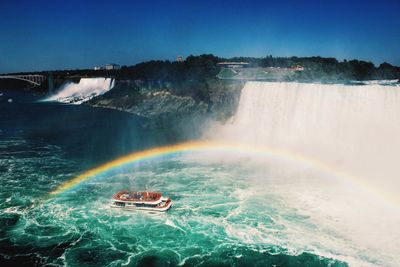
column 354, row 127
column 87, row 88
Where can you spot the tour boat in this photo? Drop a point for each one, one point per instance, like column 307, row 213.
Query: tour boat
column 151, row 201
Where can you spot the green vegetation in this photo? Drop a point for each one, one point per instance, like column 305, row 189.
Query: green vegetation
column 326, row 69
column 226, row 73
column 204, row 66
column 198, row 68
column 192, row 77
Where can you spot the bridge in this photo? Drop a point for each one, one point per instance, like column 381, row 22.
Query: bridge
column 35, row 79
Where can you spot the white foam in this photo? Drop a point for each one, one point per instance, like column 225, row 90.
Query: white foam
column 86, row 89
column 353, row 128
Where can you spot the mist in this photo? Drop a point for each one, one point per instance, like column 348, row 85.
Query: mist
column 86, row 89
column 352, row 129
column 355, row 128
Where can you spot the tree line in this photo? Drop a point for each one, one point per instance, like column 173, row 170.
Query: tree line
column 196, row 74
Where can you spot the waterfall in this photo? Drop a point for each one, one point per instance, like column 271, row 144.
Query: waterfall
column 77, row 93
column 354, row 127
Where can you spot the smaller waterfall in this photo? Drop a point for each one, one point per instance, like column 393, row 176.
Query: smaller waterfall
column 77, row 93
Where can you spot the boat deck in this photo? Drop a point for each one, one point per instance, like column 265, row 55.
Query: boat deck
column 140, row 197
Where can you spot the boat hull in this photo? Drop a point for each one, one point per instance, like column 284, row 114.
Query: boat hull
column 149, row 201
column 135, row 208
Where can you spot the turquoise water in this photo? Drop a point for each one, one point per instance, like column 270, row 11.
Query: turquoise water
column 225, row 212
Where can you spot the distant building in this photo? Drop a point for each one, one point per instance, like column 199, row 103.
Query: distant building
column 112, row 67
column 108, row 67
column 179, row 59
column 232, row 64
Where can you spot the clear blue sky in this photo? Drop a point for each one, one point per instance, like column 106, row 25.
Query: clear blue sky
column 45, row 35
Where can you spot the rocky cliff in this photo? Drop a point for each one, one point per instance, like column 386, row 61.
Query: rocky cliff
column 166, row 107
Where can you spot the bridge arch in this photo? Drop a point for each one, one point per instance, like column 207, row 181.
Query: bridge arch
column 34, row 79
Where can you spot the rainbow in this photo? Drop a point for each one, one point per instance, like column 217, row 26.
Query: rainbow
column 209, row 147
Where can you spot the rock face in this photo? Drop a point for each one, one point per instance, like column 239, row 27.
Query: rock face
column 160, row 103
column 183, row 114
